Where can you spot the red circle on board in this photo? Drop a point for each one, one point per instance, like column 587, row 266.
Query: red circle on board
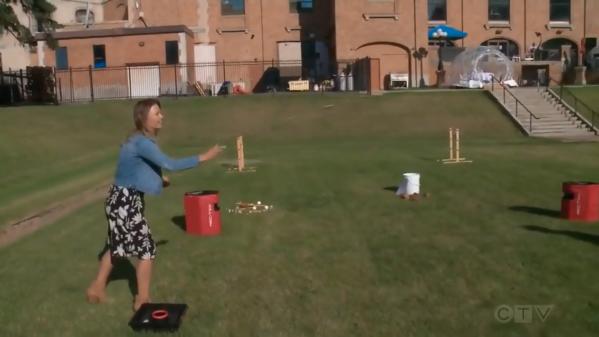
column 159, row 314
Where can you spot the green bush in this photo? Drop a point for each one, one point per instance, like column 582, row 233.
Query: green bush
column 41, row 87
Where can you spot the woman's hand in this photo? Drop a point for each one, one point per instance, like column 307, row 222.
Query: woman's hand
column 211, row 153
column 166, row 182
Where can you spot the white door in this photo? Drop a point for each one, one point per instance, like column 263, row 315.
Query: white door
column 145, row 81
column 290, row 58
column 205, row 63
column 290, row 51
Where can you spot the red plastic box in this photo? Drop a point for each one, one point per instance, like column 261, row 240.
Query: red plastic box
column 580, row 201
column 202, row 214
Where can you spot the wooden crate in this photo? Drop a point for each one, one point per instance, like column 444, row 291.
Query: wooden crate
column 299, row 85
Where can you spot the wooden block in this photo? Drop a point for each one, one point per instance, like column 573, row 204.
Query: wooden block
column 240, row 154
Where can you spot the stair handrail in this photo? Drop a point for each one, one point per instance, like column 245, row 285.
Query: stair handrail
column 548, row 86
column 577, row 102
column 505, row 89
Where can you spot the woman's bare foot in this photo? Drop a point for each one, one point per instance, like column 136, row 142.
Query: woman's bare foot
column 95, row 293
column 139, row 301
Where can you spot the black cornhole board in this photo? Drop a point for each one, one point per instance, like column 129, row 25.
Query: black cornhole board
column 142, row 319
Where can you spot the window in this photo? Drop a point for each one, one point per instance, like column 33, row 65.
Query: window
column 232, row 7
column 559, row 10
column 172, row 52
column 499, row 10
column 553, row 50
column 437, row 10
column 80, row 16
column 99, row 56
column 507, row 47
column 299, row 6
column 441, row 43
column 38, row 26
column 590, row 43
column 62, row 60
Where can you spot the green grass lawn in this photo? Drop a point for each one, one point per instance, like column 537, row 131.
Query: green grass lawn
column 49, row 153
column 588, row 94
column 340, row 255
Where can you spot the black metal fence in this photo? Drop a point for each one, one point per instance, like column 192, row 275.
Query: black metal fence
column 89, row 84
column 13, row 87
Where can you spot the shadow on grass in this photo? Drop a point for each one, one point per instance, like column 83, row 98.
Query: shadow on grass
column 179, row 221
column 123, row 269
column 586, row 237
column 391, row 188
column 537, row 211
column 228, row 166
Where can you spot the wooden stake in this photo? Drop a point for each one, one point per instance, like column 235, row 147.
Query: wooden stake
column 451, row 144
column 457, row 144
column 454, row 149
column 240, row 156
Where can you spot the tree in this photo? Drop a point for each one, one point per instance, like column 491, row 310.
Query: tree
column 420, row 54
column 40, row 11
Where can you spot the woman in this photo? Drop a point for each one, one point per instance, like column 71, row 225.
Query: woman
column 139, row 171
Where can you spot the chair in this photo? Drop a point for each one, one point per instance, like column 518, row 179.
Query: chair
column 198, row 87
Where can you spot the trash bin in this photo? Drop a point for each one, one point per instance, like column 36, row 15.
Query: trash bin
column 580, row 201
column 410, row 184
column 342, row 84
column 202, row 213
column 350, row 82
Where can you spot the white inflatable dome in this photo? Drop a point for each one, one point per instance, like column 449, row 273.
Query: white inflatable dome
column 474, row 67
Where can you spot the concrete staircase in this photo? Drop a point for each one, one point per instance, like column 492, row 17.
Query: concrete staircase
column 555, row 119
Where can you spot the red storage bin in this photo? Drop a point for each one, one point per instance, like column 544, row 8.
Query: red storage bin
column 580, row 201
column 202, row 214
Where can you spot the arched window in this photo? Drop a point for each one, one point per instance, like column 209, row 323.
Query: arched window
column 508, row 47
column 551, row 50
column 80, row 16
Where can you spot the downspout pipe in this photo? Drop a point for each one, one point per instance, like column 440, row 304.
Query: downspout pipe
column 413, row 71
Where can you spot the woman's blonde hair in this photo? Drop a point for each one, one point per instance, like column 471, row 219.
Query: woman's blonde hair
column 140, row 114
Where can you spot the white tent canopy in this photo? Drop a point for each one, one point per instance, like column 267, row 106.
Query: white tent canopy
column 474, row 67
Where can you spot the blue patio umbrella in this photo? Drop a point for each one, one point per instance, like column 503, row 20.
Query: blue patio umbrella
column 445, row 32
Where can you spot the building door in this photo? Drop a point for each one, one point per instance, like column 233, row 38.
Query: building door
column 396, row 63
column 290, row 59
column 323, row 61
column 144, row 81
column 205, row 64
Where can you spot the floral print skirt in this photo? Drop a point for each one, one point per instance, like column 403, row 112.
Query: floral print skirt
column 128, row 231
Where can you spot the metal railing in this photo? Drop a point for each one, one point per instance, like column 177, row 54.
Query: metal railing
column 518, row 102
column 575, row 104
column 13, row 86
column 579, row 106
column 153, row 80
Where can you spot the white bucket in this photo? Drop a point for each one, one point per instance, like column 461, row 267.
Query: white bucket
column 410, row 184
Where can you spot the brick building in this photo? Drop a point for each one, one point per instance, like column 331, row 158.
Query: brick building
column 391, row 30
column 231, row 30
column 315, row 33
